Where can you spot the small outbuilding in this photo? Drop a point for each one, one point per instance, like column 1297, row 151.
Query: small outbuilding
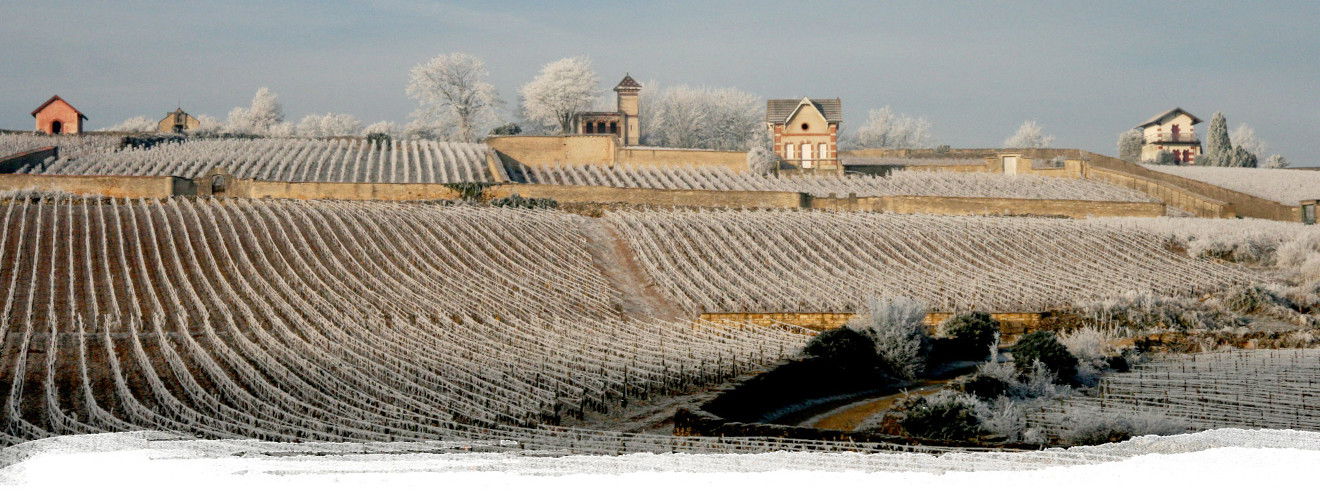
column 57, row 116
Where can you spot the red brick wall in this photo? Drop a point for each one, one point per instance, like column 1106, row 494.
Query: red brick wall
column 62, row 112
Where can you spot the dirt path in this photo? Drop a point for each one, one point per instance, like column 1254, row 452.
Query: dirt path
column 611, row 254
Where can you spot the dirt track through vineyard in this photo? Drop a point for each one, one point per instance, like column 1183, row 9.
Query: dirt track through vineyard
column 610, row 253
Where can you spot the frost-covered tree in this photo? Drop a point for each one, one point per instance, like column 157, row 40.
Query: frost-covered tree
column 1241, row 158
column 562, row 89
column 896, row 326
column 1218, row 145
column 264, row 116
column 1129, row 145
column 761, row 158
column 453, row 87
column 1245, row 137
column 207, row 125
column 886, row 129
column 709, row 118
column 386, row 128
column 1276, row 161
column 329, row 125
column 134, row 124
column 1029, row 135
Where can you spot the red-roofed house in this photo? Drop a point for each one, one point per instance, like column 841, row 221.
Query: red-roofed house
column 57, row 116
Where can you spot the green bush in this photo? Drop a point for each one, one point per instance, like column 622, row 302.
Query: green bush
column 379, row 138
column 945, row 418
column 844, row 345
column 1045, row 347
column 972, row 333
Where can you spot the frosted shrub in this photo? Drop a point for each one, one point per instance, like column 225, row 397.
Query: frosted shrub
column 1135, row 312
column 945, row 415
column 1093, row 348
column 895, row 325
column 1004, row 417
column 1094, row 427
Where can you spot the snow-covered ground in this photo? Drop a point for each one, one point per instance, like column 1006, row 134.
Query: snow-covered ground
column 149, row 465
column 1284, row 185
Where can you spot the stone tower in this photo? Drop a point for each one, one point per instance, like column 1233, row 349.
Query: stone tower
column 628, row 92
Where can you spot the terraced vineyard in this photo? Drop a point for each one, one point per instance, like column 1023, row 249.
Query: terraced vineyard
column 327, row 321
column 969, row 185
column 367, row 322
column 295, row 160
column 803, row 261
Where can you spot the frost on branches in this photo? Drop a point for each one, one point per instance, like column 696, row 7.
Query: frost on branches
column 886, row 129
column 265, row 116
column 562, row 89
column 1029, row 135
column 134, row 124
column 452, row 89
column 387, row 128
column 703, row 118
column 1129, row 145
column 329, row 125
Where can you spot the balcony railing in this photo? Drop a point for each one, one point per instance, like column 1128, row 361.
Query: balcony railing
column 1171, row 137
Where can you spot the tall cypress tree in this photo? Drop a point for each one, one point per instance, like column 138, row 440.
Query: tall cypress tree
column 1218, row 148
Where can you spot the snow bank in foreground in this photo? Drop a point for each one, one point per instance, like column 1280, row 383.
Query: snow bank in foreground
column 147, row 466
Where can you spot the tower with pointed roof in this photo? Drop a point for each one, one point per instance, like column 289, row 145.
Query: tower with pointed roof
column 628, row 92
column 624, row 121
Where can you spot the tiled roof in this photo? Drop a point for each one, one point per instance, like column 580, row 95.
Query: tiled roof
column 777, row 110
column 628, row 83
column 1161, row 116
column 53, row 99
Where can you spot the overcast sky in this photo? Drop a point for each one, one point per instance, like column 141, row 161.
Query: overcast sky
column 1084, row 70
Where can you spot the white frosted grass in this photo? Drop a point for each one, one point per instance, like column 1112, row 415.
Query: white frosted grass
column 1287, row 186
column 290, row 159
column 125, row 456
column 969, row 185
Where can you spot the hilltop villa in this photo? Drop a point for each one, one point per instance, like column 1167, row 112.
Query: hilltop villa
column 1174, row 131
column 806, row 131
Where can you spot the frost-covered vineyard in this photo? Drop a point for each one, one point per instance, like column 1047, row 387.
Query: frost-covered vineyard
column 1250, row 389
column 71, row 146
column 781, row 261
column 327, row 321
column 969, row 185
column 1257, row 241
column 295, row 160
column 1279, row 184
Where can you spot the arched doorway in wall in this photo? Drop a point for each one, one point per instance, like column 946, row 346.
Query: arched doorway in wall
column 219, row 183
column 56, row 127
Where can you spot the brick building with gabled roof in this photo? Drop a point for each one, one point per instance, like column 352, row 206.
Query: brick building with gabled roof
column 806, row 131
column 56, row 116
